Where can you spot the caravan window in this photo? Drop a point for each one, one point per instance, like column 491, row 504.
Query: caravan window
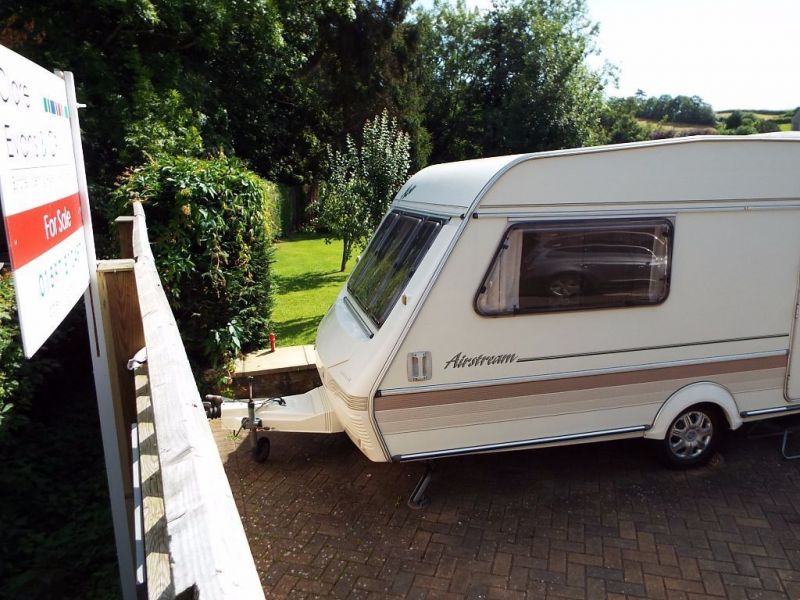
column 578, row 265
column 390, row 260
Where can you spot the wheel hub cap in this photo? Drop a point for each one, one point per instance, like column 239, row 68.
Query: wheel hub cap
column 690, row 435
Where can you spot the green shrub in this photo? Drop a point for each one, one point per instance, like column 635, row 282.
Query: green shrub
column 272, row 209
column 362, row 182
column 210, row 223
column 766, row 126
column 734, row 120
column 14, row 382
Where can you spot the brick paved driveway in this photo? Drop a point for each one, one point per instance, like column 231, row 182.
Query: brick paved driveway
column 591, row 521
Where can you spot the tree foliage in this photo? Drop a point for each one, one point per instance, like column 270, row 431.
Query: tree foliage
column 512, row 79
column 210, row 224
column 238, row 63
column 363, row 180
column 620, row 124
column 740, row 122
column 14, row 374
column 675, row 109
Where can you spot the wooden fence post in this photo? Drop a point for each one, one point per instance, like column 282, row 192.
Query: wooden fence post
column 119, row 307
column 125, row 235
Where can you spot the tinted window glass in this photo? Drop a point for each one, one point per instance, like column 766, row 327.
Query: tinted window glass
column 578, row 265
column 389, row 262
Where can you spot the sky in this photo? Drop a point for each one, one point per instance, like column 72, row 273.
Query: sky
column 731, row 53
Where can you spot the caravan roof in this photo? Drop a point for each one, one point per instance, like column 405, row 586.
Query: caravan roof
column 660, row 170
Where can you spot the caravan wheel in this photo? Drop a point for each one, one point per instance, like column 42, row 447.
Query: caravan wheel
column 692, row 438
column 261, row 450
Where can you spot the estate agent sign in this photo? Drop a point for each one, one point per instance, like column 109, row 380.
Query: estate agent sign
column 40, row 201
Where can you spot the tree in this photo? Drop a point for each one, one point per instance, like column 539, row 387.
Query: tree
column 447, row 51
column 620, row 124
column 237, row 63
column 512, row 79
column 675, row 109
column 734, row 120
column 362, row 182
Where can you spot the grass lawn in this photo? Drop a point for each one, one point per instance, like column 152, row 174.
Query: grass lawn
column 308, row 279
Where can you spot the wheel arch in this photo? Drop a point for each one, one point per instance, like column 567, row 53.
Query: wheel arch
column 704, row 392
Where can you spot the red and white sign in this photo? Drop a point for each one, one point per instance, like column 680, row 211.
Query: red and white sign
column 39, row 194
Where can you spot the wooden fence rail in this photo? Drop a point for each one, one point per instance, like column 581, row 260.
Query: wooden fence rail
column 195, row 545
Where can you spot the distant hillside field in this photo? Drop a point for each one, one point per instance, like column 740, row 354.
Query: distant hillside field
column 783, row 118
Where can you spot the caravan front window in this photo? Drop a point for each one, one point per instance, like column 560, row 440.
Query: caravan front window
column 390, row 260
column 545, row 267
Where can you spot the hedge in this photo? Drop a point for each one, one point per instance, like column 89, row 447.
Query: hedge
column 211, row 224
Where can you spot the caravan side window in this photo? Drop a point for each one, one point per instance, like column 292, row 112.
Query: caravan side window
column 557, row 266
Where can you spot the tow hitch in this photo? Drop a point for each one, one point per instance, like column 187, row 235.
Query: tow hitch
column 309, row 413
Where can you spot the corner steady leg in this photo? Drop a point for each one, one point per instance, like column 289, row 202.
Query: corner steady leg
column 418, row 500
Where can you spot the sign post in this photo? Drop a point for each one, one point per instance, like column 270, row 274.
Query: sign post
column 47, row 219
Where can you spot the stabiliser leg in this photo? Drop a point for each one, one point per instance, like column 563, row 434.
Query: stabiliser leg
column 259, row 445
column 418, row 500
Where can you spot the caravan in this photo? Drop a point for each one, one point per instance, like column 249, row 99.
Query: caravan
column 640, row 290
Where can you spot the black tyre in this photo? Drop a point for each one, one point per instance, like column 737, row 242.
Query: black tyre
column 692, row 438
column 261, row 451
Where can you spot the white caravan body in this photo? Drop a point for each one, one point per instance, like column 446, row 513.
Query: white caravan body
column 684, row 292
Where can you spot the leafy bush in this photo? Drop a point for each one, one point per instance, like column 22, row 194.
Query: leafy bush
column 14, row 381
column 280, row 208
column 619, row 123
column 734, row 120
column 211, row 223
column 766, row 126
column 363, row 180
column 57, row 537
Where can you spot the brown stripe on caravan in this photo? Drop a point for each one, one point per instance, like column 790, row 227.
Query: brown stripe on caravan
column 568, row 384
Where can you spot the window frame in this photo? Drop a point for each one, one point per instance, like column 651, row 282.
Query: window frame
column 439, row 220
column 664, row 220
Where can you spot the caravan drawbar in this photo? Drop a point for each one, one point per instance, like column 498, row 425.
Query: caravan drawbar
column 638, row 290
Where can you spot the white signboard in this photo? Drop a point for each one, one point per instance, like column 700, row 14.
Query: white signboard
column 39, row 194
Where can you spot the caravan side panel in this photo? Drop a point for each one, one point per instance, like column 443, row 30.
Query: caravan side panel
column 499, row 382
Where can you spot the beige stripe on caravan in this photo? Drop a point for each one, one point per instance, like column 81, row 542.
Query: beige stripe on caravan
column 568, row 384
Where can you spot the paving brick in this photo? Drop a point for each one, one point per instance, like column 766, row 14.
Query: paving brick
column 563, row 591
column 712, row 582
column 769, row 579
column 576, row 575
column 632, row 572
column 605, row 573
column 595, row 589
column 684, row 585
column 741, row 580
column 689, row 568
column 654, row 586
column 314, row 586
column 433, row 583
column 504, row 594
column 502, row 564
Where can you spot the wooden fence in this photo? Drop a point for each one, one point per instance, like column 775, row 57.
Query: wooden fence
column 191, row 540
